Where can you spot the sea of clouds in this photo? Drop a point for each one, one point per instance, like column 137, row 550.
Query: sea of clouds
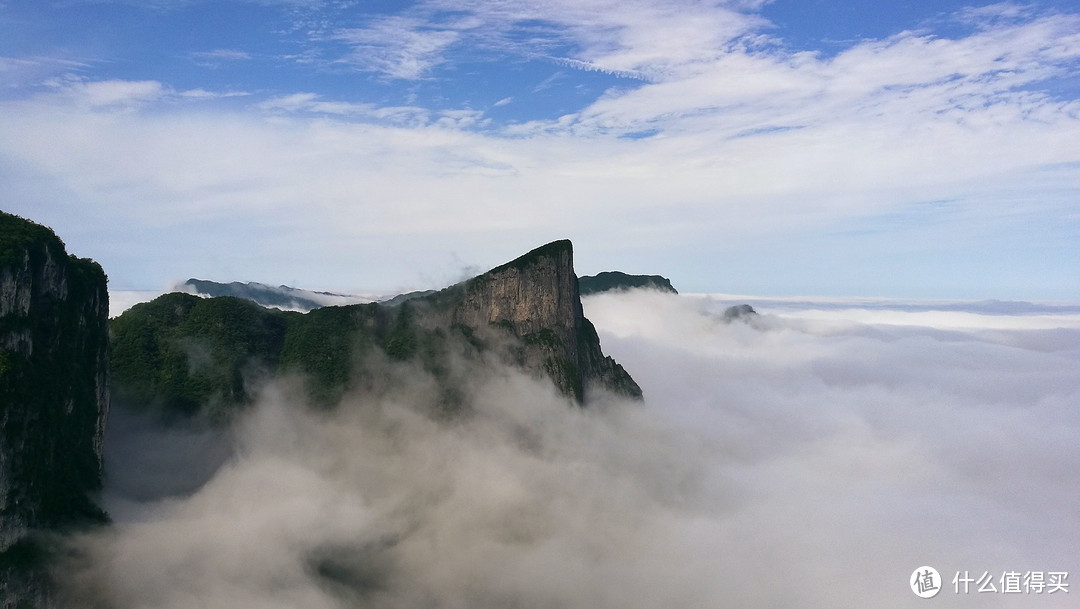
column 812, row 456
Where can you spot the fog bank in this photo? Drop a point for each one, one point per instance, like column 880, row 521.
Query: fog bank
column 807, row 458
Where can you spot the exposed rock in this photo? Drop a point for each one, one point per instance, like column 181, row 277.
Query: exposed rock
column 53, row 391
column 609, row 281
column 741, row 312
column 183, row 354
column 536, row 298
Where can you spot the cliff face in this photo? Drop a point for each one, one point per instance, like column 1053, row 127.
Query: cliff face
column 536, row 298
column 53, row 381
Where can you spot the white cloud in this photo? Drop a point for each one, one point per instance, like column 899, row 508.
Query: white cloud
column 398, row 47
column 420, row 174
column 114, row 93
column 461, row 119
column 204, row 94
column 734, row 145
column 789, row 463
column 313, row 103
column 123, row 95
column 218, row 57
column 638, row 39
column 991, row 14
column 904, row 79
column 224, row 54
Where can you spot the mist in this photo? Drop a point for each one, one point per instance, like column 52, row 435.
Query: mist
column 812, row 456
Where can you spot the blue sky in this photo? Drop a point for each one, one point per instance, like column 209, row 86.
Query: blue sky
column 906, row 149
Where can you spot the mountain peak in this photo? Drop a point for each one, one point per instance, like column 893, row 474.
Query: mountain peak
column 536, row 298
column 561, row 249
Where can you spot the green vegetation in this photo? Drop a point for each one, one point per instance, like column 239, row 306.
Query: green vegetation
column 546, row 337
column 27, row 554
column 401, row 341
column 555, row 249
column 17, row 235
column 566, row 375
column 321, row 346
column 183, row 352
column 50, row 377
column 400, row 298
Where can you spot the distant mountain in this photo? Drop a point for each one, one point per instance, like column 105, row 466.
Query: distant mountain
column 280, row 297
column 184, row 354
column 609, row 281
column 288, row 298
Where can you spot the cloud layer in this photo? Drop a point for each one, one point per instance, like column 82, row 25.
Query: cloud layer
column 939, row 161
column 798, row 460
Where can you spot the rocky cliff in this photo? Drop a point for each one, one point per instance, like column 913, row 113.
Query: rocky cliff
column 536, row 298
column 185, row 354
column 53, row 385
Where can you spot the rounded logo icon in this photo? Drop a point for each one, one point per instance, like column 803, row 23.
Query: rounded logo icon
column 925, row 582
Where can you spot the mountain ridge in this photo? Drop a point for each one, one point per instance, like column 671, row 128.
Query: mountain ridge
column 186, row 352
column 618, row 281
column 281, row 297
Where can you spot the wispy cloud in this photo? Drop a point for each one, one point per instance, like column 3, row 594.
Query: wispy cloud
column 27, row 73
column 204, row 94
column 314, row 103
column 995, row 14
column 397, row 47
column 112, row 93
column 548, row 82
column 218, row 57
column 637, row 39
column 892, row 80
column 123, row 95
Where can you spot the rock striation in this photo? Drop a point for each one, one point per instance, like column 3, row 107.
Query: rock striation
column 53, row 387
column 536, row 298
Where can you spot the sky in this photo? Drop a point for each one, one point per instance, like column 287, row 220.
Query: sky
column 813, row 456
column 840, row 148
